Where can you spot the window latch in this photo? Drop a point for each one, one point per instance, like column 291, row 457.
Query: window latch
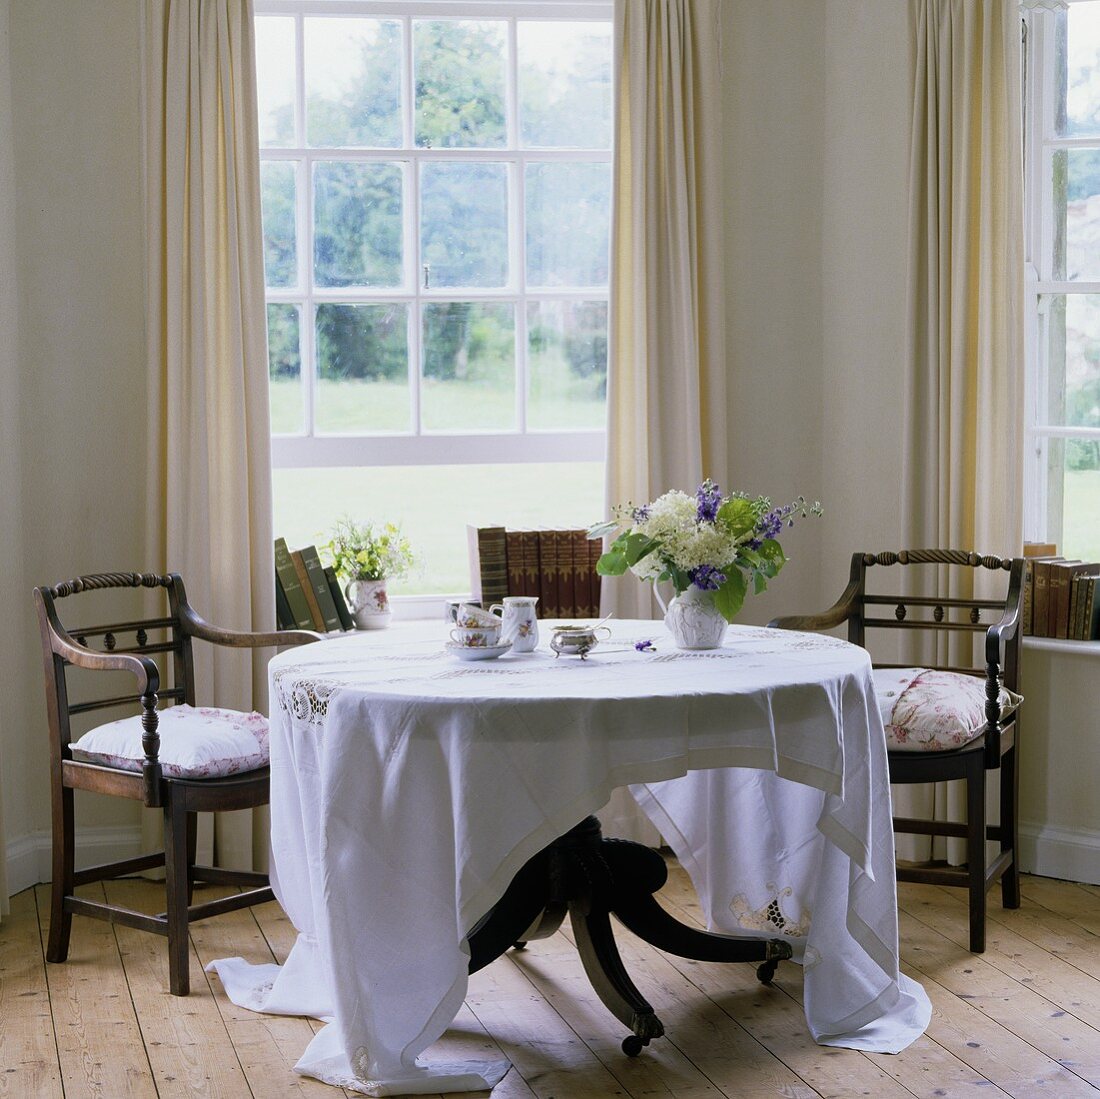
column 427, row 276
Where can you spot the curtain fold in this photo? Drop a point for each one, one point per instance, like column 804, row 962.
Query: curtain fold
column 964, row 396
column 209, row 437
column 666, row 368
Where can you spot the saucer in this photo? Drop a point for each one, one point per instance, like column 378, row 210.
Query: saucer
column 477, row 652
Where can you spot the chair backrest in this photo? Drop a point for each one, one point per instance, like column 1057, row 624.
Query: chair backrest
column 133, row 645
column 938, row 610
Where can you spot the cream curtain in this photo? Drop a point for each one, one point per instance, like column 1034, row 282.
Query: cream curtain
column 964, row 411
column 13, row 587
column 666, row 369
column 209, row 444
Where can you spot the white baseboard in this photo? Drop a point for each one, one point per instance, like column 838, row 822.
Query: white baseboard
column 1052, row 852
column 29, row 856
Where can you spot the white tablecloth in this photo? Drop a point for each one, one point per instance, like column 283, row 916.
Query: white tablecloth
column 408, row 788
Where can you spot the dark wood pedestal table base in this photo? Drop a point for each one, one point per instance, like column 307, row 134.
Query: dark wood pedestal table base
column 591, row 878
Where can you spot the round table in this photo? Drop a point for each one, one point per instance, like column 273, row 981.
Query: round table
column 409, row 789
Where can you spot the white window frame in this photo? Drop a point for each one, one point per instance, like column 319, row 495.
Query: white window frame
column 421, row 447
column 1043, row 504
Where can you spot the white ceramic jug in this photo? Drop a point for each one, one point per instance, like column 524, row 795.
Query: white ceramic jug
column 518, row 622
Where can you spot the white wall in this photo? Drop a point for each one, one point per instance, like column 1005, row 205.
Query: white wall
column 773, row 76
column 72, row 448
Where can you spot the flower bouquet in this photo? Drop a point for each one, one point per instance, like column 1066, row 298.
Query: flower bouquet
column 710, row 547
column 366, row 556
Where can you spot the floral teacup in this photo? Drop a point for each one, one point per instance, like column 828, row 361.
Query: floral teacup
column 469, row 617
column 476, row 637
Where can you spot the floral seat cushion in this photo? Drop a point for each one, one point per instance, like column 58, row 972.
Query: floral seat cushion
column 924, row 710
column 195, row 742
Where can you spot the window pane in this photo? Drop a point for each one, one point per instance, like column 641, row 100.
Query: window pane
column 1073, row 497
column 275, row 79
column 565, row 84
column 362, row 368
column 357, row 238
column 469, row 366
column 567, row 364
column 459, row 84
column 353, row 82
column 284, row 361
column 278, row 187
column 1076, row 214
column 1078, row 40
column 464, row 223
column 1073, row 348
column 568, row 218
column 434, row 504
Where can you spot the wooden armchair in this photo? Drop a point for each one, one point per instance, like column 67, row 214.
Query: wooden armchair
column 988, row 741
column 127, row 758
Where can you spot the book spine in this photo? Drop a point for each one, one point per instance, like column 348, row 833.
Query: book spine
column 1058, row 595
column 548, row 575
column 595, row 551
column 1027, row 622
column 292, row 586
column 513, row 545
column 492, row 549
column 307, row 590
column 567, row 595
column 283, row 616
column 1075, row 586
column 1041, row 601
column 529, row 557
column 338, row 600
column 582, row 585
column 319, row 585
column 1092, row 633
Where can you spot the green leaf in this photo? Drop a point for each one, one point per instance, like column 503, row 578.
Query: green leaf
column 612, row 563
column 730, row 597
column 759, row 582
column 636, row 546
column 772, row 552
column 601, row 530
column 737, row 516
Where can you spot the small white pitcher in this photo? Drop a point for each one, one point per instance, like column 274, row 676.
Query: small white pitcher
column 370, row 606
column 518, row 622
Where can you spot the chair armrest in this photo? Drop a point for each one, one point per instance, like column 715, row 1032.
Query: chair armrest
column 239, row 639
column 836, row 615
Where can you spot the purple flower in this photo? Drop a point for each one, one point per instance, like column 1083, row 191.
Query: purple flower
column 707, row 578
column 640, row 515
column 646, row 646
column 709, row 497
column 771, row 524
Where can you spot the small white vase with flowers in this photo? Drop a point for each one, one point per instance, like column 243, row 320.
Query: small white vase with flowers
column 366, row 556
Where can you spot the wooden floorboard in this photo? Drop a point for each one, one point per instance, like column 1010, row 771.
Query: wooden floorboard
column 1021, row 1020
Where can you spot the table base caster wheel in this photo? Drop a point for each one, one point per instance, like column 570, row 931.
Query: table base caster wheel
column 633, row 1045
column 766, row 971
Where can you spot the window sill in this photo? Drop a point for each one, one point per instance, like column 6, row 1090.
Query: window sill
column 1061, row 645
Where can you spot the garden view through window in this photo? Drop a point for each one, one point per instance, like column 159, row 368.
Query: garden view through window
column 436, row 206
column 1063, row 152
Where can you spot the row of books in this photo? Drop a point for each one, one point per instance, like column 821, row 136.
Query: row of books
column 307, row 595
column 1061, row 598
column 558, row 566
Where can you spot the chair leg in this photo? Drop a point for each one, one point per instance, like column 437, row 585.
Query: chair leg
column 61, row 922
column 975, row 851
column 192, row 847
column 1010, row 798
column 176, row 882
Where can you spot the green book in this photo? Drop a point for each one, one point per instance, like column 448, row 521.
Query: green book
column 292, row 587
column 337, row 594
column 283, row 618
column 319, row 583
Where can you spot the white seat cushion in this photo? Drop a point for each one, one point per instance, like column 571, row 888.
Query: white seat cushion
column 925, row 710
column 195, row 742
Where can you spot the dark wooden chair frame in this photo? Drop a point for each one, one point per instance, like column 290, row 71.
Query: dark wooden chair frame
column 180, row 799
column 993, row 750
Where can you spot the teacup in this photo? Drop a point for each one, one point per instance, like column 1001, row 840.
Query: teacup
column 577, row 640
column 476, row 637
column 451, row 609
column 469, row 616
